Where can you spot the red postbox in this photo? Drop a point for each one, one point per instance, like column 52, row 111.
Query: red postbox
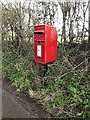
column 45, row 43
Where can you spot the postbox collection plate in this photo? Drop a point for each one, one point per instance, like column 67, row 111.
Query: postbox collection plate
column 39, row 50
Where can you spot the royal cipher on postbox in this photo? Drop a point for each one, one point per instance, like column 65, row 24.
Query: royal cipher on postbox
column 45, row 44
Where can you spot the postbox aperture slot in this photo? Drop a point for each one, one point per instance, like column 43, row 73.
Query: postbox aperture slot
column 38, row 33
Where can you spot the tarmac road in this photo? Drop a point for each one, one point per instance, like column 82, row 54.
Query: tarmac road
column 16, row 105
column 0, row 99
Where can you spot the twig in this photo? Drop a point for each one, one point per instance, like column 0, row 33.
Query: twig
column 73, row 68
column 61, row 108
column 80, row 64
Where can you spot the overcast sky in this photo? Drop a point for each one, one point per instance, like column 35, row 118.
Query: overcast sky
column 58, row 22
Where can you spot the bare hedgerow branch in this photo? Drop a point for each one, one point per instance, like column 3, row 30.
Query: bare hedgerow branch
column 72, row 69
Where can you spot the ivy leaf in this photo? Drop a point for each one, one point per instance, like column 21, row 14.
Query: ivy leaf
column 86, row 101
column 81, row 86
column 54, row 105
column 73, row 89
column 18, row 90
column 89, row 76
column 80, row 100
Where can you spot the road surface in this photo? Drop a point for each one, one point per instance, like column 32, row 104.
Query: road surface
column 16, row 105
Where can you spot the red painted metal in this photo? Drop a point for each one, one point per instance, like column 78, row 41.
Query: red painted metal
column 45, row 43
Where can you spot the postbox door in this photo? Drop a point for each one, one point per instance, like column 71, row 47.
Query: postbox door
column 39, row 51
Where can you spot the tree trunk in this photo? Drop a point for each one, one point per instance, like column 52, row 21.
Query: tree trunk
column 17, row 38
column 89, row 27
column 89, row 37
column 12, row 34
column 71, row 31
column 64, row 29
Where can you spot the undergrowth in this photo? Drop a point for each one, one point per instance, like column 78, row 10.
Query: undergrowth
column 16, row 69
column 65, row 87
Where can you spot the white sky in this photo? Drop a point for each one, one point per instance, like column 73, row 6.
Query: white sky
column 44, row 0
column 58, row 23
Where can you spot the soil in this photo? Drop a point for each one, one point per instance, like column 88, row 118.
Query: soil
column 18, row 105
